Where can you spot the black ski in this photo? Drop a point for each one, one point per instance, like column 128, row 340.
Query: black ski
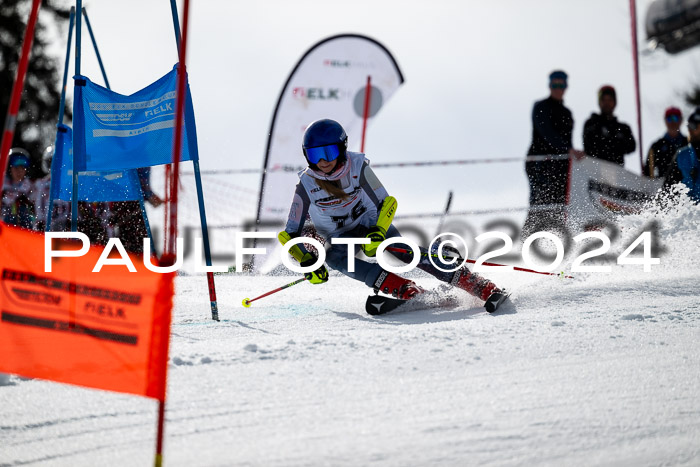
column 494, row 301
column 380, row 304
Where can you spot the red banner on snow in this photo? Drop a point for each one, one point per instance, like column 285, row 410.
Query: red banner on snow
column 106, row 330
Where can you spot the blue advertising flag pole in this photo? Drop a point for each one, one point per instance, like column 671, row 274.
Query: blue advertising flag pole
column 176, row 24
column 205, row 240
column 74, row 193
column 97, row 51
column 200, row 196
column 61, row 112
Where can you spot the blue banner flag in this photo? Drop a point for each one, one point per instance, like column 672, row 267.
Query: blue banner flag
column 115, row 132
column 93, row 186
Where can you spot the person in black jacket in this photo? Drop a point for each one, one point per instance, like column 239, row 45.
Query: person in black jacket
column 603, row 136
column 662, row 151
column 552, row 127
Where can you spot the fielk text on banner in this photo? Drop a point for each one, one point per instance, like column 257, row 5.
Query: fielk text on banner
column 107, row 330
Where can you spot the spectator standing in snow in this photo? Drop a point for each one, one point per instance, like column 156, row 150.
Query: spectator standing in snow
column 604, row 137
column 662, row 151
column 685, row 166
column 17, row 207
column 552, row 127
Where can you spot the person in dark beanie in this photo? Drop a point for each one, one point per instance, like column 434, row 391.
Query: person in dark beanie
column 685, row 166
column 552, row 126
column 662, row 151
column 603, row 136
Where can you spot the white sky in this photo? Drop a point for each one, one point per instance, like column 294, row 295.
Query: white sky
column 473, row 71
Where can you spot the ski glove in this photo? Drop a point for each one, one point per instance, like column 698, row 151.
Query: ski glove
column 319, row 276
column 376, row 235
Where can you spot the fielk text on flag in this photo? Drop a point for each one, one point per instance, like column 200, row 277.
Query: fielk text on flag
column 112, row 131
column 107, row 330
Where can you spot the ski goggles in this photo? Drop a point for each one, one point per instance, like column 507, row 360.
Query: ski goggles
column 673, row 118
column 329, row 153
column 18, row 161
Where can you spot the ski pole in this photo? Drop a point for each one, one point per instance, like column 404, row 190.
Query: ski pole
column 247, row 301
column 485, row 263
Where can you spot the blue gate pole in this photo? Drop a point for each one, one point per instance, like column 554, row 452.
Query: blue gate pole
column 74, row 193
column 200, row 194
column 205, row 240
column 97, row 51
column 176, row 25
column 61, row 111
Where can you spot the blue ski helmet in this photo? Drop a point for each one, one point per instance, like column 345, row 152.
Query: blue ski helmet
column 19, row 157
column 325, row 139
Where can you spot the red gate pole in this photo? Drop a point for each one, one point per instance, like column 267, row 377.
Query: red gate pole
column 365, row 116
column 177, row 140
column 170, row 253
column 635, row 58
column 12, row 110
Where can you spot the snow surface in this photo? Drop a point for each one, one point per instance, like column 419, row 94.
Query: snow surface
column 603, row 369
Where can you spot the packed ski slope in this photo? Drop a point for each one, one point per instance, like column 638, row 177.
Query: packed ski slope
column 603, row 369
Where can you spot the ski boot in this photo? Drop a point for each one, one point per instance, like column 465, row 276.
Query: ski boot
column 473, row 283
column 396, row 286
column 480, row 287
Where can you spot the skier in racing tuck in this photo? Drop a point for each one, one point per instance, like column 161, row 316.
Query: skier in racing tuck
column 344, row 198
